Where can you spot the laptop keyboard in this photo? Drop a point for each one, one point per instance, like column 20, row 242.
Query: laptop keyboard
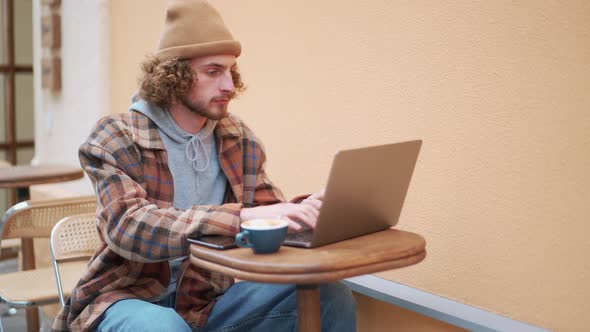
column 302, row 237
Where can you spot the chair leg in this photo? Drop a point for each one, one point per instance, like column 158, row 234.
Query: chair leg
column 32, row 315
column 28, row 251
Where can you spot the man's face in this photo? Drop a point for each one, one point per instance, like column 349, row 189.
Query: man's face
column 213, row 87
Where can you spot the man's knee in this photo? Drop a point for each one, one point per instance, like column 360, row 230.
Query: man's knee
column 338, row 308
column 337, row 297
column 137, row 315
column 165, row 319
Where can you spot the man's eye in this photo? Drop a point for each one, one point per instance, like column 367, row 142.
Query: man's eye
column 213, row 72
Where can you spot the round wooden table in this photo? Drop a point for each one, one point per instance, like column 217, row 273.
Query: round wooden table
column 307, row 268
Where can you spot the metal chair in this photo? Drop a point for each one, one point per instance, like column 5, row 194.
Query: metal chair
column 73, row 239
column 32, row 287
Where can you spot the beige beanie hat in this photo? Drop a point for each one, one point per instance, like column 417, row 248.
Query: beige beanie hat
column 193, row 28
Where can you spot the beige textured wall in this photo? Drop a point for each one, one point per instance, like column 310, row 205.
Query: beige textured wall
column 498, row 92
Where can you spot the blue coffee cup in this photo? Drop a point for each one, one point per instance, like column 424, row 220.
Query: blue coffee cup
column 264, row 236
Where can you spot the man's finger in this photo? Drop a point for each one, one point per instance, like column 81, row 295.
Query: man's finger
column 316, row 203
column 312, row 211
column 294, row 227
column 319, row 195
column 308, row 212
column 306, row 216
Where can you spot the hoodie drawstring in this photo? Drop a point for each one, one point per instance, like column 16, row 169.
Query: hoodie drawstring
column 191, row 153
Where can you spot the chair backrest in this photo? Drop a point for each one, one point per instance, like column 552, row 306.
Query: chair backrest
column 73, row 238
column 36, row 218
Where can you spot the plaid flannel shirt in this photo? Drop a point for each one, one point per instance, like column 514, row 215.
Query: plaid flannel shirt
column 140, row 230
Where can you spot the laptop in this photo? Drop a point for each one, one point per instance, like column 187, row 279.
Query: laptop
column 365, row 193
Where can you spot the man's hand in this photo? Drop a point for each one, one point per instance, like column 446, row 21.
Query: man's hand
column 315, row 199
column 306, row 212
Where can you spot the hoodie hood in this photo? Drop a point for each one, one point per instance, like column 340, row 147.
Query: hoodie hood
column 194, row 145
column 192, row 159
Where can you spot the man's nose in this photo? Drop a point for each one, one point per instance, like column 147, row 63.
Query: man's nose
column 227, row 83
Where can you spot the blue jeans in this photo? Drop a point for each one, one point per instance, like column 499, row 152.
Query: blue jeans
column 246, row 306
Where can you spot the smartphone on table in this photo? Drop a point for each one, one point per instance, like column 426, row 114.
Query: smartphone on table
column 215, row 241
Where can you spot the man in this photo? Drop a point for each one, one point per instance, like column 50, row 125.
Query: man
column 177, row 165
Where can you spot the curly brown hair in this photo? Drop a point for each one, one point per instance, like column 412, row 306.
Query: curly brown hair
column 163, row 82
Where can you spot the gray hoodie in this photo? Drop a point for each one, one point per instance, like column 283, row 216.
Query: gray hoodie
column 192, row 159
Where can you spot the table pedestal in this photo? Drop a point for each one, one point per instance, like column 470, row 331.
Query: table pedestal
column 308, row 308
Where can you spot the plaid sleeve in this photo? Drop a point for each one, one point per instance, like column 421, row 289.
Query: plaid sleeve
column 60, row 321
column 131, row 225
column 264, row 191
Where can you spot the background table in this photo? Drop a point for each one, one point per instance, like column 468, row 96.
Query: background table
column 385, row 250
column 22, row 177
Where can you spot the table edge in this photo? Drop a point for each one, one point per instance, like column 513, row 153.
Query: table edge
column 311, row 277
column 242, row 264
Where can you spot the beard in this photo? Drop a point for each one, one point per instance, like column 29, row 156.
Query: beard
column 213, row 112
